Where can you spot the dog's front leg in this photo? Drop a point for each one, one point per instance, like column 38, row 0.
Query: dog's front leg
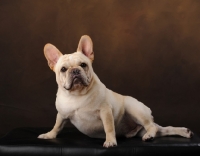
column 109, row 128
column 60, row 122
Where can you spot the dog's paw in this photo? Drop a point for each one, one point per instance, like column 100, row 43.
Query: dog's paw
column 109, row 143
column 147, row 137
column 48, row 135
column 187, row 133
column 190, row 133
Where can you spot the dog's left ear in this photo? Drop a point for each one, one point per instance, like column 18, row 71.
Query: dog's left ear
column 86, row 47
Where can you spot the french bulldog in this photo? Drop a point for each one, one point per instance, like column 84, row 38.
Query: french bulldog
column 93, row 109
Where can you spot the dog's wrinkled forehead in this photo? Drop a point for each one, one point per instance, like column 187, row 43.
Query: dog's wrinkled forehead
column 73, row 60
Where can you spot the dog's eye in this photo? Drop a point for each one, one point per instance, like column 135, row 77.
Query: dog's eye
column 63, row 69
column 83, row 65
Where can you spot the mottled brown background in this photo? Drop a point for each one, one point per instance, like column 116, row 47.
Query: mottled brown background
column 149, row 49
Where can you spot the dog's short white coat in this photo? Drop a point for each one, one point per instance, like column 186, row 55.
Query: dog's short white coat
column 92, row 108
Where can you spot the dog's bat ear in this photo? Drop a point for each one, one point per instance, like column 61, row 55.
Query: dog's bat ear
column 52, row 55
column 86, row 47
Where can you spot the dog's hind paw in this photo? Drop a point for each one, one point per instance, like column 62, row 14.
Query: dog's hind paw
column 189, row 133
column 148, row 137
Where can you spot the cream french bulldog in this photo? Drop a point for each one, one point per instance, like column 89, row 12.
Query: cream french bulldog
column 94, row 109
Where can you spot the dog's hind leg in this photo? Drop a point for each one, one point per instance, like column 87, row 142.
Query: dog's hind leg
column 169, row 130
column 141, row 114
column 134, row 132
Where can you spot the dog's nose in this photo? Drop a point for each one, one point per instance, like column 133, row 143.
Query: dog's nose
column 75, row 71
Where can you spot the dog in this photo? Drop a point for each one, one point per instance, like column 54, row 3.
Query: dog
column 92, row 108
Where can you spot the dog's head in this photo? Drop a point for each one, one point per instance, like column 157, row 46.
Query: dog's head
column 73, row 71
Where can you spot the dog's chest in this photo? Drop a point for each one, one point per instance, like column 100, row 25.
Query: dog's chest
column 88, row 122
column 83, row 116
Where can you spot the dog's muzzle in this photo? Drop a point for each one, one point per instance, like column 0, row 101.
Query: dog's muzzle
column 75, row 72
column 75, row 78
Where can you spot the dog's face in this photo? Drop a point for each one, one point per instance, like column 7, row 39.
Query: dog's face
column 73, row 71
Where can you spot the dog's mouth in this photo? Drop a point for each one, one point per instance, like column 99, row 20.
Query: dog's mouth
column 76, row 80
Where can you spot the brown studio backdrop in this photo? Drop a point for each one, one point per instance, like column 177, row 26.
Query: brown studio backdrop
column 148, row 49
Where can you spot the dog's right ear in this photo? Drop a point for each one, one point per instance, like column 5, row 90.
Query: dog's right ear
column 52, row 55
